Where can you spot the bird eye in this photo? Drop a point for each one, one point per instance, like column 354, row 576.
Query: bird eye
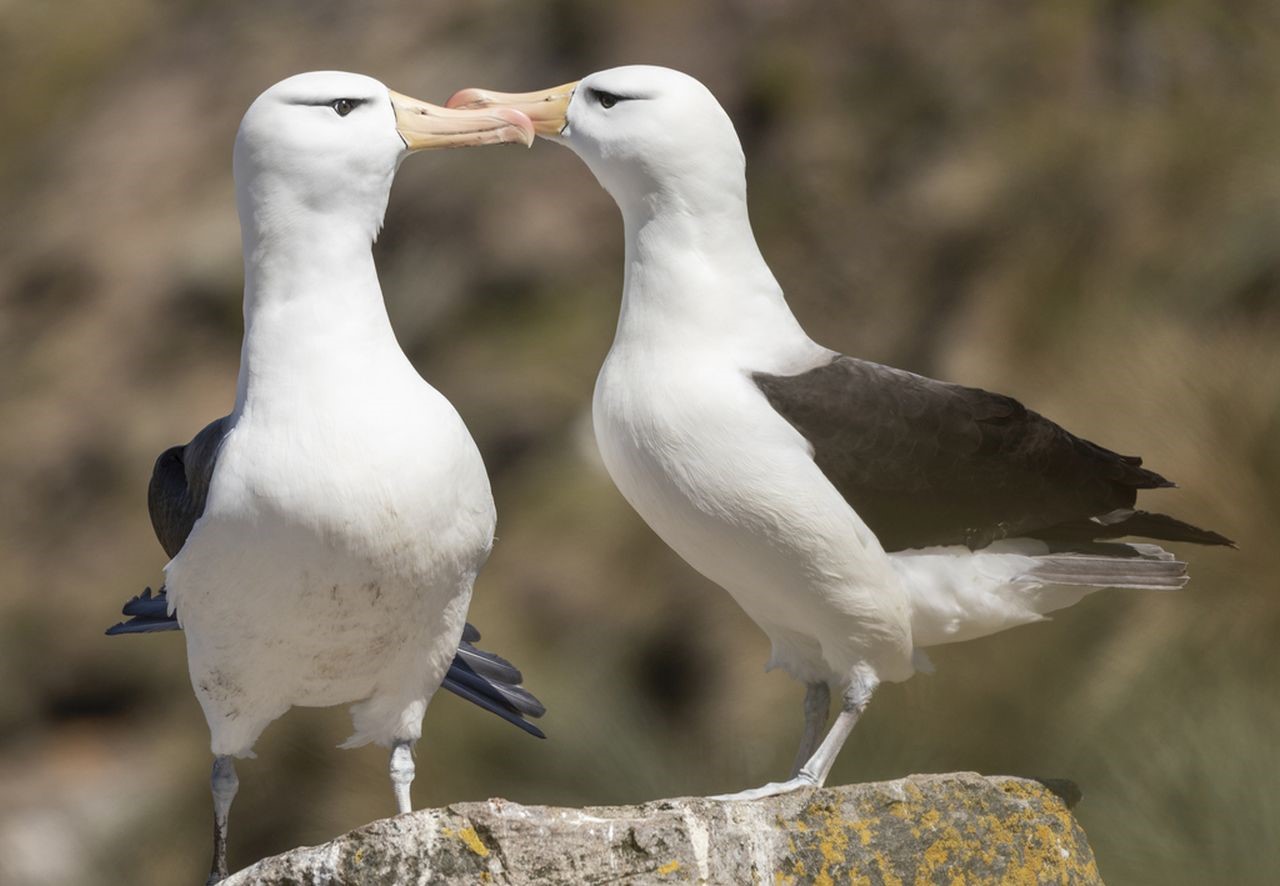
column 343, row 106
column 607, row 99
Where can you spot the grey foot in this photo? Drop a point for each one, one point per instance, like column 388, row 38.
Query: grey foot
column 772, row 789
column 225, row 784
column 402, row 775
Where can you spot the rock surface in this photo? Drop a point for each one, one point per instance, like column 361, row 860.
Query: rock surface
column 923, row 829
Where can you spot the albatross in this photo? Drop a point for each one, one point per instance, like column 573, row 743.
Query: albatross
column 325, row 535
column 858, row 513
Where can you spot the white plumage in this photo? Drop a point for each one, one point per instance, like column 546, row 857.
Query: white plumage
column 347, row 510
column 689, row 417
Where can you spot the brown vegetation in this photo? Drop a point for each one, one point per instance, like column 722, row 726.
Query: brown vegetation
column 1078, row 204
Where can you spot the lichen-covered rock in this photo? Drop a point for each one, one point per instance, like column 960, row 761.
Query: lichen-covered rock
column 959, row 828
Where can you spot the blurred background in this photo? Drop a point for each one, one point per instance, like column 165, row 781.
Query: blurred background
column 1074, row 203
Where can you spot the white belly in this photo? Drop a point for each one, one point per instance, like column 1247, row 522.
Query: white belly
column 731, row 487
column 334, row 563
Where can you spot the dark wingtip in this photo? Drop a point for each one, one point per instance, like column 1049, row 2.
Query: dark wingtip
column 142, row 624
column 1138, row 524
column 494, row 706
column 488, row 664
column 147, row 605
column 509, row 694
column 150, row 614
column 1152, row 480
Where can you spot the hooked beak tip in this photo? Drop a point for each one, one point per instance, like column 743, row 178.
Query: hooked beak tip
column 520, row 121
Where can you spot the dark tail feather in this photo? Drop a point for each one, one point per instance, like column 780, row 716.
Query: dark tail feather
column 490, row 666
column 493, row 683
column 466, row 683
column 512, row 694
column 1139, row 524
column 150, row 614
column 490, row 681
column 141, row 625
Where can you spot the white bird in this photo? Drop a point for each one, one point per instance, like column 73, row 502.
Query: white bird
column 857, row 513
column 326, row 534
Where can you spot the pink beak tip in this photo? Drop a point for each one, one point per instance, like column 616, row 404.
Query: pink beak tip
column 467, row 98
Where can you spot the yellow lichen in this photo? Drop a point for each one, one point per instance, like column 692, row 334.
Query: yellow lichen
column 900, row 810
column 883, row 865
column 832, row 835
column 669, row 868
column 472, row 841
column 1034, row 842
column 862, row 827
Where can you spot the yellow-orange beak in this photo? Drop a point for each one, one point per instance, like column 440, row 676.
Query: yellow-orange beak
column 425, row 126
column 546, row 109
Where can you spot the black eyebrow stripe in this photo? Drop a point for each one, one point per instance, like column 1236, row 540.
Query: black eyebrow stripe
column 324, row 103
column 597, row 92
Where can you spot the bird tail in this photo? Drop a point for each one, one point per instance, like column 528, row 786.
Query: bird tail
column 957, row 594
column 482, row 678
column 1142, row 566
column 490, row 681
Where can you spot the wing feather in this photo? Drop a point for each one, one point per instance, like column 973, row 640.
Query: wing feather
column 180, row 485
column 926, row 463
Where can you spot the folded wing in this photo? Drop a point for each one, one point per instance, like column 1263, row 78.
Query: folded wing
column 927, row 463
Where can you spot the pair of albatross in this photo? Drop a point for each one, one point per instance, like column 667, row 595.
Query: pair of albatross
column 326, row 534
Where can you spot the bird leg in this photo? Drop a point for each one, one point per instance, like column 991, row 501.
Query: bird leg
column 813, row 774
column 224, row 783
column 817, row 706
column 402, row 774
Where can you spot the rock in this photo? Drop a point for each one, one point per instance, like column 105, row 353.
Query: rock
column 923, row 829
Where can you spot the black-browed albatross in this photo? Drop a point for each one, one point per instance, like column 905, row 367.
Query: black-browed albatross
column 326, row 534
column 858, row 513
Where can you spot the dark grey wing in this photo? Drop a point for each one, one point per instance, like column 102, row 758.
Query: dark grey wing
column 175, row 497
column 180, row 485
column 927, row 463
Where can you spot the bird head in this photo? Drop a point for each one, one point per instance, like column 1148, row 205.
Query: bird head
column 644, row 131
column 329, row 142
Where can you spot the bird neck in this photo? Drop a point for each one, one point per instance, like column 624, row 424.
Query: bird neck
column 695, row 276
column 313, row 311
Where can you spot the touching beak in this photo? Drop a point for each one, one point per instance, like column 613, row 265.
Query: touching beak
column 425, row 126
column 546, row 109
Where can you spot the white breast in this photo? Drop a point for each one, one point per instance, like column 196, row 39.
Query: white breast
column 730, row 486
column 343, row 531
